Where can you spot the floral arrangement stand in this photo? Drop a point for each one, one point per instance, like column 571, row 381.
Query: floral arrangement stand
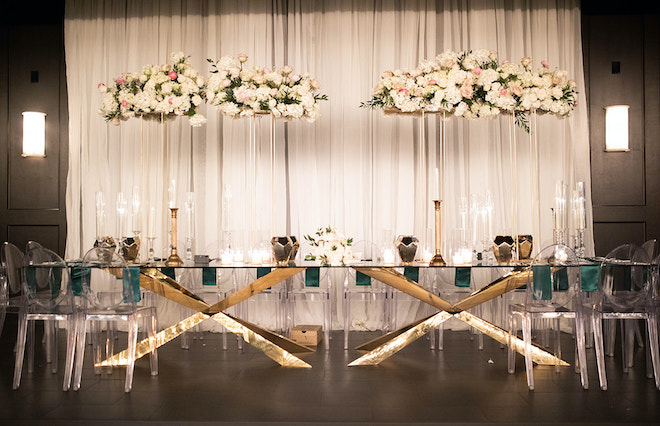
column 157, row 93
column 475, row 84
column 238, row 91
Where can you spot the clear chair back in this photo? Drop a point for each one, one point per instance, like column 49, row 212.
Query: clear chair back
column 555, row 277
column 12, row 262
column 625, row 278
column 46, row 281
column 107, row 282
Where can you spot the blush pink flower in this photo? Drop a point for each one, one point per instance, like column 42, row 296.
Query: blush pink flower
column 433, row 82
column 265, row 70
column 120, row 80
column 503, row 92
column 405, row 91
column 225, row 83
column 476, row 70
column 124, row 103
column 173, row 75
column 170, row 101
column 545, row 64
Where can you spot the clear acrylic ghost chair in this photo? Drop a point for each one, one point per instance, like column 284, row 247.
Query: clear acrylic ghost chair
column 626, row 294
column 11, row 294
column 110, row 293
column 453, row 285
column 49, row 298
column 306, row 292
column 553, row 292
column 267, row 308
column 214, row 282
column 373, row 312
column 404, row 308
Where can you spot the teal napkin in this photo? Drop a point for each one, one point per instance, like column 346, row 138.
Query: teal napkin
column 560, row 280
column 169, row 271
column 362, row 279
column 262, row 272
column 542, row 282
column 411, row 273
column 463, row 277
column 590, row 277
column 312, row 277
column 209, row 276
column 131, row 281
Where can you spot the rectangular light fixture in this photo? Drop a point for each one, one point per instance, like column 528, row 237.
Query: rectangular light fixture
column 616, row 128
column 34, row 134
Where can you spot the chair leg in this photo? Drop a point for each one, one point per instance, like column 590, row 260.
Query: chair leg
column 31, row 344
column 71, row 333
column 132, row 343
column 20, row 348
column 511, row 358
column 3, row 314
column 152, row 327
column 527, row 337
column 652, row 325
column 79, row 352
column 580, row 343
column 347, row 315
column 597, row 327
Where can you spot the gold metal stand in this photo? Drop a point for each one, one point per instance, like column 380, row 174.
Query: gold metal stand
column 173, row 259
column 383, row 347
column 437, row 257
column 276, row 347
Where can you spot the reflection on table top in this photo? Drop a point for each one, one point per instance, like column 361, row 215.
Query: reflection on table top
column 362, row 264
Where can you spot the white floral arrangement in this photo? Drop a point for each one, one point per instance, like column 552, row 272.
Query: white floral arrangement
column 473, row 84
column 238, row 92
column 158, row 92
column 328, row 247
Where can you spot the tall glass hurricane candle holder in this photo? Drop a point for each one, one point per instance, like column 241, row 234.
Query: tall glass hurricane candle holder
column 579, row 218
column 559, row 213
column 190, row 225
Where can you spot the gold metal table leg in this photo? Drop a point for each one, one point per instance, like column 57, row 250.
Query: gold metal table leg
column 386, row 346
column 276, row 347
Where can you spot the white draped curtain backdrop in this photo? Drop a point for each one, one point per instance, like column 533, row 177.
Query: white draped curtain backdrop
column 353, row 168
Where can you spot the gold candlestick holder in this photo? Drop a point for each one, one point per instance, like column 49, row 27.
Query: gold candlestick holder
column 437, row 257
column 173, row 259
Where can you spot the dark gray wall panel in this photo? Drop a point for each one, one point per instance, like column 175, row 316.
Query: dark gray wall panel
column 34, row 182
column 47, row 236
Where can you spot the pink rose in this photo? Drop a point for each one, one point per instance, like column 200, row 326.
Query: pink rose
column 466, row 91
column 120, row 80
column 295, row 77
column 273, row 92
column 170, row 101
column 545, row 64
column 476, row 70
column 517, row 90
column 225, row 83
column 124, row 103
column 433, row 82
column 265, row 70
column 405, row 91
column 172, row 75
column 503, row 92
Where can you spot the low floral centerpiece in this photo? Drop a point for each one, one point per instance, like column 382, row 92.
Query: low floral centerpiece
column 473, row 84
column 328, row 247
column 239, row 92
column 157, row 92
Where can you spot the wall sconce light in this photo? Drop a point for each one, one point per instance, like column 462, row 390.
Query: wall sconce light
column 616, row 128
column 34, row 134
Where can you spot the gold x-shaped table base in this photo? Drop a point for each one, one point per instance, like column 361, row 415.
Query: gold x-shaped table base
column 386, row 346
column 276, row 347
